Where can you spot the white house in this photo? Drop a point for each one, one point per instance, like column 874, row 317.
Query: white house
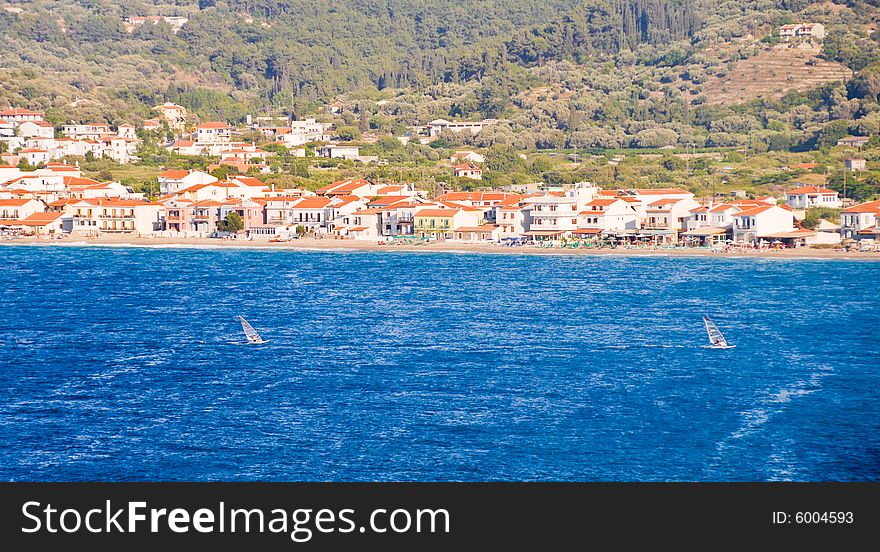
column 765, row 222
column 126, row 131
column 90, row 131
column 467, row 170
column 114, row 216
column 173, row 181
column 20, row 115
column 213, row 132
column 467, row 157
column 512, row 221
column 305, row 131
column 11, row 209
column 312, row 213
column 339, row 151
column 607, row 215
column 666, row 218
column 806, row 197
column 41, row 129
column 35, row 156
column 858, row 218
column 437, row 126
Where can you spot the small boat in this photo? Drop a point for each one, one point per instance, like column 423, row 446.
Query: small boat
column 716, row 338
column 253, row 337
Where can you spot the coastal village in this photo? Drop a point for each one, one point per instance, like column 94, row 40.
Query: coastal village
column 43, row 193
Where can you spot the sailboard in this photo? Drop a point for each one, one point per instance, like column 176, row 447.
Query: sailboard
column 253, row 337
column 716, row 338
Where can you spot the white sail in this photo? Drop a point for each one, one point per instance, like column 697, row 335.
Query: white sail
column 250, row 332
column 715, row 336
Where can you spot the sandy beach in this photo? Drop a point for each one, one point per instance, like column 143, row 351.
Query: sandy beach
column 347, row 244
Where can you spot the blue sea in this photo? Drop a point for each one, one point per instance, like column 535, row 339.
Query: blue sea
column 121, row 364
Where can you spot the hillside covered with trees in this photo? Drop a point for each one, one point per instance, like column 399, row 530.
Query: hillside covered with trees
column 558, row 73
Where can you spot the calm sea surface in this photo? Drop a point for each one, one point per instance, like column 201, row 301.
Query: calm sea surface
column 116, row 364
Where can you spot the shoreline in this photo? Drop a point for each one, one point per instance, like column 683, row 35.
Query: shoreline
column 329, row 244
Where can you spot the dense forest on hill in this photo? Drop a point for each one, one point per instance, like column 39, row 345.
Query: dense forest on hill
column 560, row 73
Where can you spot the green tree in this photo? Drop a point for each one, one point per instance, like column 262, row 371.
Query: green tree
column 231, row 223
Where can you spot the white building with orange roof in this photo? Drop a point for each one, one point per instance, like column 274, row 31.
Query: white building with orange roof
column 356, row 187
column 9, row 172
column 555, row 215
column 60, row 168
column 114, row 216
column 126, row 130
column 35, row 156
column 19, row 115
column 14, row 209
column 38, row 224
column 213, row 132
column 255, row 186
column 807, row 197
column 857, row 222
column 699, row 218
column 7, row 129
column 151, row 125
column 608, row 215
column 762, row 223
column 109, row 190
column 513, row 220
column 220, row 190
column 122, row 150
column 173, row 181
column 667, row 217
column 467, row 170
column 247, row 154
column 313, row 213
column 42, row 129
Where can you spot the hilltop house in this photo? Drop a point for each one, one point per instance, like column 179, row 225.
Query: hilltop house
column 213, row 132
column 854, row 141
column 467, row 170
column 173, row 113
column 91, row 131
column 437, row 126
column 811, row 30
column 806, row 197
column 467, row 157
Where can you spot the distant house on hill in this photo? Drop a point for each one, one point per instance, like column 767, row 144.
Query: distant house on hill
column 854, row 164
column 806, row 197
column 467, row 156
column 854, row 141
column 811, row 30
column 335, row 107
column 467, row 170
column 173, row 113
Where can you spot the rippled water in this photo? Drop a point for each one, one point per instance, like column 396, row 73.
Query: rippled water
column 116, row 364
